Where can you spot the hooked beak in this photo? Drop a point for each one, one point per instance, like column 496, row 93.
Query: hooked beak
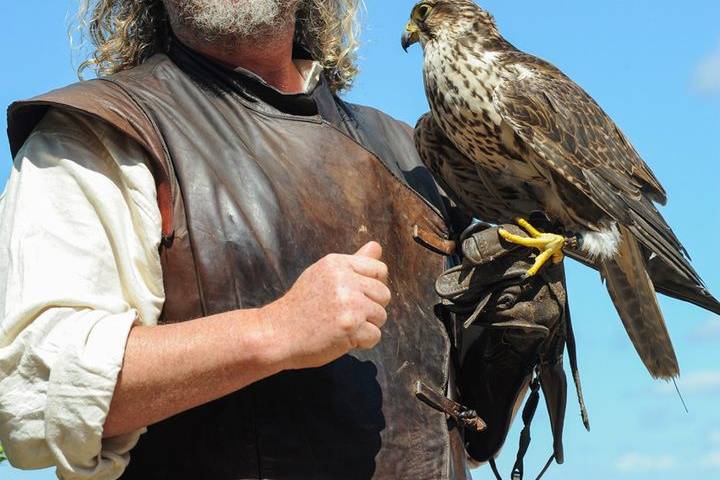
column 410, row 35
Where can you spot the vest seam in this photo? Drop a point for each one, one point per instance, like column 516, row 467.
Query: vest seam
column 169, row 164
column 254, row 234
column 316, row 119
column 179, row 189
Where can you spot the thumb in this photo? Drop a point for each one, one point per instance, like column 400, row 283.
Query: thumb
column 371, row 250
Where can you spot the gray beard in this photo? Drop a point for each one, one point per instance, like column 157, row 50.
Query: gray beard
column 227, row 21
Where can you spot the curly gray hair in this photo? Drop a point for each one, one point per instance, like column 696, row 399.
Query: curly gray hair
column 124, row 33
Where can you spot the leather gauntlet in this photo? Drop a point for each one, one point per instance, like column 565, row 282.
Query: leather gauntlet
column 511, row 332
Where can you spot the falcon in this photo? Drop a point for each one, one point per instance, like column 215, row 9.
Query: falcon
column 508, row 134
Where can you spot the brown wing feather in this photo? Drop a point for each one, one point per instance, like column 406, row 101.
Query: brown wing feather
column 463, row 179
column 579, row 143
column 565, row 113
column 455, row 174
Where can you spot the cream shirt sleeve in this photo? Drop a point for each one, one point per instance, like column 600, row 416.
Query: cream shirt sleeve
column 79, row 265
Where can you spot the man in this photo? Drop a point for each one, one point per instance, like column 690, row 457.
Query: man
column 175, row 242
column 171, row 303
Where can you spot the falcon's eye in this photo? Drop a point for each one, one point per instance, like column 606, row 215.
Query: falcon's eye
column 422, row 12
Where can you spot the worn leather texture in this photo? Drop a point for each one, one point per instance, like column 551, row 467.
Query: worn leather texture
column 262, row 185
column 511, row 327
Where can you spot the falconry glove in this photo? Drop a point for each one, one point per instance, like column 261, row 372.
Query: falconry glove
column 510, row 335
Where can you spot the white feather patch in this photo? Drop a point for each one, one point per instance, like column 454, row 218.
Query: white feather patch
column 601, row 245
column 523, row 72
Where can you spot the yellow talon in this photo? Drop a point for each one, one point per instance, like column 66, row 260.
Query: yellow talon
column 534, row 232
column 550, row 245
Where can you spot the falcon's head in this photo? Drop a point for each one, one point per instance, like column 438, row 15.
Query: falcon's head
column 448, row 20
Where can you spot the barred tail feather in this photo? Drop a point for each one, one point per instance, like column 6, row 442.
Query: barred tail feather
column 634, row 297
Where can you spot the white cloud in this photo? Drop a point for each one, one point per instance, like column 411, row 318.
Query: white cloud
column 696, row 382
column 634, row 462
column 706, row 78
column 711, row 460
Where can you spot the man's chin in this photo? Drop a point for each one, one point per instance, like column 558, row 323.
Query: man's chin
column 227, row 21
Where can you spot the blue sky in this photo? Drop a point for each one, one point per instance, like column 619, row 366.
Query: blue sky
column 655, row 68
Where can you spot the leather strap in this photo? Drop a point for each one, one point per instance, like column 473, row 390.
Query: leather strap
column 571, row 349
column 572, row 354
column 528, row 414
column 432, row 241
column 461, row 414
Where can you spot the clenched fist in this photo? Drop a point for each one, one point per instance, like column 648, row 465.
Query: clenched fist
column 335, row 306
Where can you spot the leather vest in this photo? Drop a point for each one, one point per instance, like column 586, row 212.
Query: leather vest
column 254, row 186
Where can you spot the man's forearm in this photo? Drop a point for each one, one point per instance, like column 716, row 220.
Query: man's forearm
column 336, row 305
column 168, row 369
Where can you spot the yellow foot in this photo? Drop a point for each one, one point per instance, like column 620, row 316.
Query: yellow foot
column 550, row 245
